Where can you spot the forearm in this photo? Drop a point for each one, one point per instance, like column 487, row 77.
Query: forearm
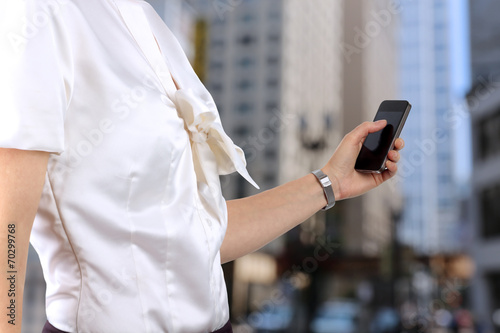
column 22, row 174
column 14, row 253
column 255, row 221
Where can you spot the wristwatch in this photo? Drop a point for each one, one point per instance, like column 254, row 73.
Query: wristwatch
column 327, row 188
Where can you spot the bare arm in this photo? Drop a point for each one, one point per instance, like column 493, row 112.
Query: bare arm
column 255, row 221
column 22, row 175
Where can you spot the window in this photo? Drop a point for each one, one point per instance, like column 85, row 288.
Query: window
column 215, row 87
column 490, row 211
column 489, row 135
column 247, row 40
column 270, row 154
column 245, row 85
column 269, row 178
column 216, row 65
column 244, row 107
column 271, row 106
column 246, row 62
column 242, row 131
column 247, row 18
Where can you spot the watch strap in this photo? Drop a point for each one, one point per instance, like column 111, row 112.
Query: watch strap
column 327, row 188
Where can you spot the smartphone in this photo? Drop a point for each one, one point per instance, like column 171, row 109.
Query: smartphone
column 373, row 154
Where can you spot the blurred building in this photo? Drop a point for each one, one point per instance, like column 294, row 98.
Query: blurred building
column 484, row 102
column 274, row 73
column 430, row 222
column 370, row 76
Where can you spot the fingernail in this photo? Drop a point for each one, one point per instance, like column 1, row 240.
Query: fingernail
column 379, row 121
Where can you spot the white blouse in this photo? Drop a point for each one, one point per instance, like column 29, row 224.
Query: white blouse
column 132, row 217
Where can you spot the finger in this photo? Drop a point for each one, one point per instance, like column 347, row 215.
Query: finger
column 399, row 144
column 392, row 169
column 359, row 133
column 394, row 156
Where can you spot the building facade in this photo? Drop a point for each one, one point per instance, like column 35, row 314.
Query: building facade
column 484, row 102
column 274, row 73
column 370, row 55
column 430, row 222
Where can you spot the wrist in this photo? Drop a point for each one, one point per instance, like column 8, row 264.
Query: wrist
column 326, row 185
column 335, row 182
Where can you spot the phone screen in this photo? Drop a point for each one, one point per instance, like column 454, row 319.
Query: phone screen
column 377, row 145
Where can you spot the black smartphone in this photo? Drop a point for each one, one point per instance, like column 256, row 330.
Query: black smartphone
column 373, row 154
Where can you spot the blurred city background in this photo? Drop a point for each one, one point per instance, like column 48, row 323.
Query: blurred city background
column 291, row 78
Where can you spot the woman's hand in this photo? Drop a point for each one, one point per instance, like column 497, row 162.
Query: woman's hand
column 347, row 182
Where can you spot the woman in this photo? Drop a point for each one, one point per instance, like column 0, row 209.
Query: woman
column 107, row 131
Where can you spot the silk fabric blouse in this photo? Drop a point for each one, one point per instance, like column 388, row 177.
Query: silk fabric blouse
column 132, row 217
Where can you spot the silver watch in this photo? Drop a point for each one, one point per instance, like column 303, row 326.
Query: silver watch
column 327, row 188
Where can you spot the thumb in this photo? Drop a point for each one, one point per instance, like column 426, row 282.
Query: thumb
column 361, row 132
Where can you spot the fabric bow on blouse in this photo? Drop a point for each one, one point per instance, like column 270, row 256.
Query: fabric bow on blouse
column 214, row 153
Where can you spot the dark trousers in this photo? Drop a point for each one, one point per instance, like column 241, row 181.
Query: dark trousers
column 48, row 328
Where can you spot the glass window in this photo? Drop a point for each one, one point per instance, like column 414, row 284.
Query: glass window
column 247, row 40
column 490, row 211
column 489, row 136
column 242, row 131
column 244, row 107
column 215, row 87
column 270, row 178
column 245, row 85
column 247, row 17
column 246, row 62
column 271, row 106
column 216, row 65
column 270, row 154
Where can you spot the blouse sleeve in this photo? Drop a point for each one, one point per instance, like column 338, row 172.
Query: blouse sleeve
column 35, row 83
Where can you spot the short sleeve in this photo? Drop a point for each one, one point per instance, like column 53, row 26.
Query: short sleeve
column 34, row 75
